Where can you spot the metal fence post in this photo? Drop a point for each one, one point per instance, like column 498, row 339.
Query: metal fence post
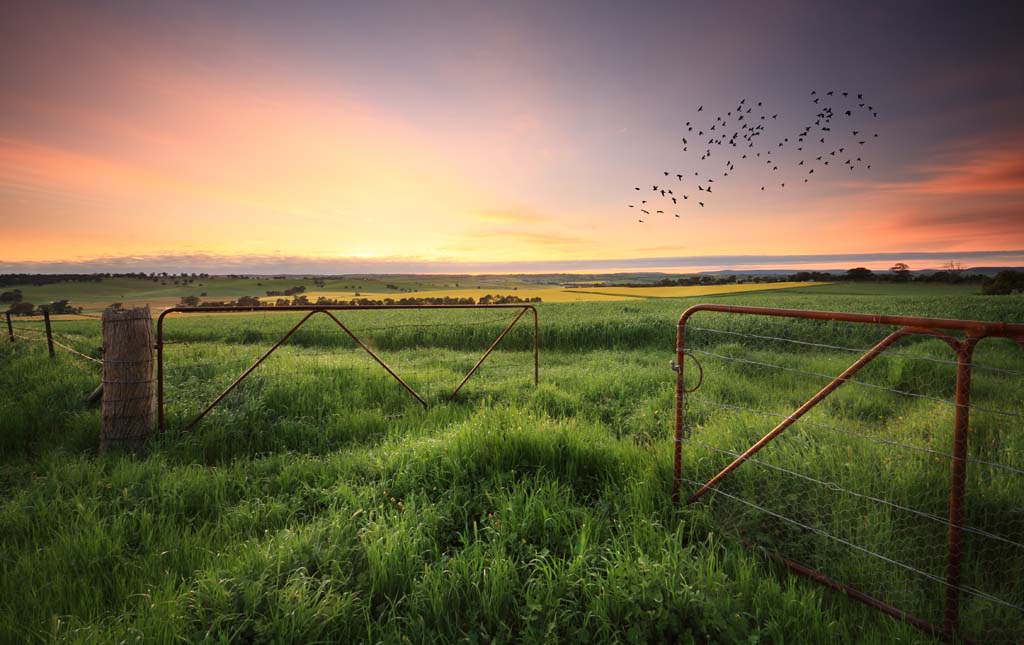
column 49, row 332
column 957, row 484
column 679, row 366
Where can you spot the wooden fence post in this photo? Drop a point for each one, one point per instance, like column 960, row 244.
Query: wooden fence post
column 10, row 327
column 128, row 390
column 49, row 332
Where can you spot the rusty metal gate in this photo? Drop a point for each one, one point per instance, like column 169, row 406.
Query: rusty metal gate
column 327, row 310
column 1000, row 523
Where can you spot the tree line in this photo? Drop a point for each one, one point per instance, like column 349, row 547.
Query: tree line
column 304, row 301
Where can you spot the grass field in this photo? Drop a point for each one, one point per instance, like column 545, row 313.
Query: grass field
column 95, row 296
column 321, row 503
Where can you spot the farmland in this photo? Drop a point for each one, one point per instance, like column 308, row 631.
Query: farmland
column 320, row 502
column 160, row 293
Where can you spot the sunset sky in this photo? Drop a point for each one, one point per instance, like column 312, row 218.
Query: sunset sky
column 436, row 136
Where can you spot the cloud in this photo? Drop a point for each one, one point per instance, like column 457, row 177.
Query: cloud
column 980, row 170
column 285, row 264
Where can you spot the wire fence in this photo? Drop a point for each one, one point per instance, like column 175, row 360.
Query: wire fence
column 318, row 363
column 860, row 489
column 75, row 337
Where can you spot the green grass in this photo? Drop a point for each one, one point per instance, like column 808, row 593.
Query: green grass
column 321, row 503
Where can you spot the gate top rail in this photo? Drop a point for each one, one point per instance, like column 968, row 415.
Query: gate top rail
column 975, row 328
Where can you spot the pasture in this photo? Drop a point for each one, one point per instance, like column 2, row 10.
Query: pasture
column 320, row 502
column 163, row 292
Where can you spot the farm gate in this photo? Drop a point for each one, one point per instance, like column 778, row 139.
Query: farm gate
column 322, row 343
column 888, row 482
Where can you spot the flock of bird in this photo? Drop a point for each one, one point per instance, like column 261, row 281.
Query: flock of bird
column 835, row 137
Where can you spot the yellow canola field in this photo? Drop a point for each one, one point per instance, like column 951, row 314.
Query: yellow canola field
column 559, row 294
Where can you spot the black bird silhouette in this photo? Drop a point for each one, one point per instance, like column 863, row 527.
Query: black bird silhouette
column 700, row 109
column 701, row 204
column 679, row 177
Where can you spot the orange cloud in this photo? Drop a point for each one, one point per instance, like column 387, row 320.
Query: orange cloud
column 980, row 171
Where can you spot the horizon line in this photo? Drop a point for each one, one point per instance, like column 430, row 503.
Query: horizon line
column 295, row 264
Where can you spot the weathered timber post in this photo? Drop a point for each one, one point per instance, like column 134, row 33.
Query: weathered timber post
column 49, row 332
column 128, row 389
column 10, row 327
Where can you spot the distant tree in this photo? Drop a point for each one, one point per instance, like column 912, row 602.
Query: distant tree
column 11, row 296
column 860, row 273
column 189, row 301
column 900, row 272
column 1004, row 283
column 60, row 307
column 116, row 306
column 248, row 301
column 22, row 309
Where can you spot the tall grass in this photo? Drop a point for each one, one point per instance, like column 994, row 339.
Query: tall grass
column 322, row 503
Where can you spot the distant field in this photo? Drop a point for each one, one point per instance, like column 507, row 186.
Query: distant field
column 95, row 296
column 689, row 292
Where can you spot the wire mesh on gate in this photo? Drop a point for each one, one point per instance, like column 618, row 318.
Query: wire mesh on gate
column 856, row 491
column 322, row 362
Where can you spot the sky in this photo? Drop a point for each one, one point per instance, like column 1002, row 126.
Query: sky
column 497, row 137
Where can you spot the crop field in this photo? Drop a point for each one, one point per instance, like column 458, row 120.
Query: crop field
column 321, row 502
column 163, row 292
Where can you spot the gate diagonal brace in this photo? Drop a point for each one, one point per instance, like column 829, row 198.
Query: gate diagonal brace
column 848, row 373
column 281, row 341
